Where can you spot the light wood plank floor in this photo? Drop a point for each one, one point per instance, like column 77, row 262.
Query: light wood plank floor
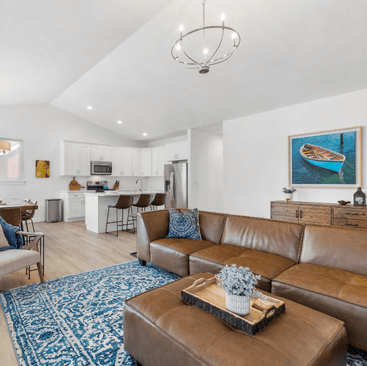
column 69, row 249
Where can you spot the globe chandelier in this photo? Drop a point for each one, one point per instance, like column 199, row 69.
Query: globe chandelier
column 208, row 57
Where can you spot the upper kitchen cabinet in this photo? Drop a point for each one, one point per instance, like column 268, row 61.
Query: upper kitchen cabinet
column 136, row 162
column 158, row 160
column 126, row 162
column 177, row 151
column 146, row 162
column 116, row 159
column 75, row 158
column 100, row 153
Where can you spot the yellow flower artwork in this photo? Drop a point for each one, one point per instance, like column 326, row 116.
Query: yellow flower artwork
column 42, row 168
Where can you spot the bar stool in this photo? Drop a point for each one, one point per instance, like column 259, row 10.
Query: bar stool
column 143, row 202
column 159, row 200
column 124, row 202
column 27, row 215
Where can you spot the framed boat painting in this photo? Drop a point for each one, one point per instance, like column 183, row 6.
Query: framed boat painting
column 328, row 159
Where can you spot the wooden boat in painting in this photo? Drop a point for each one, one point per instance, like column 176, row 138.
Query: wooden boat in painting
column 322, row 157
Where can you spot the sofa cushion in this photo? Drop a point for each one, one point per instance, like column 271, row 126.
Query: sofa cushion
column 185, row 226
column 339, row 293
column 330, row 246
column 15, row 259
column 213, row 259
column 333, row 282
column 172, row 254
column 276, row 237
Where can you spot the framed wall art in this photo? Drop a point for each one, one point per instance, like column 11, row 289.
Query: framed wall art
column 330, row 159
column 42, row 168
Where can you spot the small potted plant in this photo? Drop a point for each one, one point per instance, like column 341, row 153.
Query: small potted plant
column 239, row 284
column 289, row 193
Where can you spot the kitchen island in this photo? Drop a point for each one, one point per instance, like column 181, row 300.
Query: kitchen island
column 96, row 205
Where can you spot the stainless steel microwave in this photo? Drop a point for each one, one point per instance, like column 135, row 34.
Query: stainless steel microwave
column 100, row 168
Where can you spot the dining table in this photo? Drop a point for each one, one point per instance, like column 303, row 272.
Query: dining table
column 15, row 202
column 9, row 203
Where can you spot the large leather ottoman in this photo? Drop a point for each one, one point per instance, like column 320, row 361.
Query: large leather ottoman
column 162, row 330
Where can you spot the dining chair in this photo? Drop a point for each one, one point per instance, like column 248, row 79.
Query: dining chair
column 27, row 215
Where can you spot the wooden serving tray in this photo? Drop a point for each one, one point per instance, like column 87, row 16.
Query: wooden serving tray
column 209, row 296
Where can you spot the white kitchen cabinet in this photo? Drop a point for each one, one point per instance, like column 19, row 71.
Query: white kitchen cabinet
column 158, row 161
column 182, row 150
column 126, row 162
column 146, row 162
column 154, row 161
column 136, row 162
column 83, row 159
column 74, row 206
column 116, row 159
column 75, row 159
column 177, row 151
column 100, row 153
column 161, row 152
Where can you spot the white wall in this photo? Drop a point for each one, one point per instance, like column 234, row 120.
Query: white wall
column 42, row 127
column 182, row 136
column 256, row 152
column 205, row 170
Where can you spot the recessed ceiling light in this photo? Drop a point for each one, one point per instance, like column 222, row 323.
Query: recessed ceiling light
column 145, row 134
column 89, row 107
column 119, row 122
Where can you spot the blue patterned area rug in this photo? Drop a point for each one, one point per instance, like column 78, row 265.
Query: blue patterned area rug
column 78, row 320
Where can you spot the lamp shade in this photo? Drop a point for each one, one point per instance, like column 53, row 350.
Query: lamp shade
column 4, row 145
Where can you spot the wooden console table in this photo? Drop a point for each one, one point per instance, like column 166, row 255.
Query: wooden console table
column 331, row 214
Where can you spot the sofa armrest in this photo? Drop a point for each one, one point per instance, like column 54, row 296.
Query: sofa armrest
column 151, row 226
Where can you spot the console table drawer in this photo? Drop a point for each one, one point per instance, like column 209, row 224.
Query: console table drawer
column 284, row 212
column 350, row 213
column 351, row 223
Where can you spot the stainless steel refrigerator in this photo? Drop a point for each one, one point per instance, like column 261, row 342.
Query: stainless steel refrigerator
column 175, row 184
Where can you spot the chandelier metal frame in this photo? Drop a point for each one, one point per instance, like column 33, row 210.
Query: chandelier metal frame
column 207, row 62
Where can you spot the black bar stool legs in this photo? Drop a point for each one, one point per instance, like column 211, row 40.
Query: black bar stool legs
column 124, row 202
column 131, row 220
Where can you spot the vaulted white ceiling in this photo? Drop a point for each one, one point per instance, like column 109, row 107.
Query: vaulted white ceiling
column 115, row 56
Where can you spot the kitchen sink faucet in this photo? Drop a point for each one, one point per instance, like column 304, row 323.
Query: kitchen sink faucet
column 141, row 184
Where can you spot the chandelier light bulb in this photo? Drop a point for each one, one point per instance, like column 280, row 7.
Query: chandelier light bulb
column 206, row 51
column 234, row 35
column 223, row 17
column 181, row 28
column 178, row 47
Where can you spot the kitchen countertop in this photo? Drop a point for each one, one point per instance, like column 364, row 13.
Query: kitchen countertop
column 121, row 191
column 117, row 193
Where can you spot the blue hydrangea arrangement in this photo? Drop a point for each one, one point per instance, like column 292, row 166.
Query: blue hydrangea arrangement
column 239, row 281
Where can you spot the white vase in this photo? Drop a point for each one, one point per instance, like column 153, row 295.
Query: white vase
column 289, row 197
column 238, row 304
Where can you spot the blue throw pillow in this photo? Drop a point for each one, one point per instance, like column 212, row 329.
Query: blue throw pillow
column 184, row 226
column 15, row 240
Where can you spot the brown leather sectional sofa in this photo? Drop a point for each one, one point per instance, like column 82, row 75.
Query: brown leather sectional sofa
column 324, row 268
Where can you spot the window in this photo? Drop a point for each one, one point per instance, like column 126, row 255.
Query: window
column 11, row 160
